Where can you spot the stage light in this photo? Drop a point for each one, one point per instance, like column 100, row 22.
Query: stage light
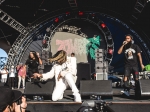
column 56, row 20
column 110, row 51
column 80, row 13
column 67, row 13
column 103, row 25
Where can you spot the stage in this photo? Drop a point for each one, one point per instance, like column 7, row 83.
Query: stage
column 118, row 103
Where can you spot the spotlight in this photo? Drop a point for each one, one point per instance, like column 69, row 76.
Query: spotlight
column 110, row 51
column 67, row 13
column 56, row 20
column 103, row 25
column 80, row 13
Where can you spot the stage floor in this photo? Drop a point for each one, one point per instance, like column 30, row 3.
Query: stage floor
column 118, row 103
column 117, row 97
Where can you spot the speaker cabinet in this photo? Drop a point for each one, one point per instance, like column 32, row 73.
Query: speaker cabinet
column 45, row 88
column 83, row 72
column 96, row 87
column 144, row 87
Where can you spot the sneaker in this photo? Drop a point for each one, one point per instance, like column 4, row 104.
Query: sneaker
column 12, row 87
column 61, row 97
column 77, row 98
column 126, row 93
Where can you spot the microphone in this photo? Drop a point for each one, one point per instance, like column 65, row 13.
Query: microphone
column 124, row 42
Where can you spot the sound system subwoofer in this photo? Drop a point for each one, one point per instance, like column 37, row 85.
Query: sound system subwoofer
column 43, row 88
column 96, row 87
column 83, row 72
column 144, row 87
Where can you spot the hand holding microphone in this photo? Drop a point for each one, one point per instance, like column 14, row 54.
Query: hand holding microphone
column 125, row 42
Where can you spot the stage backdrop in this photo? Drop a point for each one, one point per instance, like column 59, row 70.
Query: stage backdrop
column 70, row 43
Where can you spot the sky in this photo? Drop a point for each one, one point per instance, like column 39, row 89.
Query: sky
column 3, row 53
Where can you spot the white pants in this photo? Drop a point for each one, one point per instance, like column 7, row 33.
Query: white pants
column 3, row 80
column 19, row 81
column 62, row 85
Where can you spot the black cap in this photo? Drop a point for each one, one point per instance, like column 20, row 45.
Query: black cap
column 8, row 96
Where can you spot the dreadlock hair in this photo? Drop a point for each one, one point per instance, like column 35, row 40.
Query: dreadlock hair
column 60, row 57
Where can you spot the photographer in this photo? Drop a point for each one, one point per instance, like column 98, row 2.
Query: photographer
column 4, row 73
column 9, row 99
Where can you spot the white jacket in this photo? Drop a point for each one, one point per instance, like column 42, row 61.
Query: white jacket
column 69, row 66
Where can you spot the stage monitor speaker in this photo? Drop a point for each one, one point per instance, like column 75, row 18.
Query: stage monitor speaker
column 96, row 87
column 45, row 88
column 83, row 72
column 145, row 87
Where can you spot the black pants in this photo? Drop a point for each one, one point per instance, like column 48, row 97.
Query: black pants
column 11, row 82
column 127, row 72
column 31, row 72
column 133, row 70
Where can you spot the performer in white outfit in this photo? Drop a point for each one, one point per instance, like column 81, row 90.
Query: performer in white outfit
column 64, row 71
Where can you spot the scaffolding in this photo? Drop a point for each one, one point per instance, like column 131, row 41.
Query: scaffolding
column 12, row 23
column 73, row 4
column 138, row 8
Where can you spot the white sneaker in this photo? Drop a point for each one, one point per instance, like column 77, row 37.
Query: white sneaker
column 126, row 93
column 61, row 97
column 77, row 98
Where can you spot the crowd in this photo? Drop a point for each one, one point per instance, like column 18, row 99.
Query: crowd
column 12, row 77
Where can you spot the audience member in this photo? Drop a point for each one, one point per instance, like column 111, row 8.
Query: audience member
column 11, row 78
column 21, row 75
column 4, row 73
column 8, row 100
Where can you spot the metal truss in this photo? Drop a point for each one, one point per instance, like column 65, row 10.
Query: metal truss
column 73, row 4
column 138, row 8
column 12, row 23
column 1, row 1
column 22, row 43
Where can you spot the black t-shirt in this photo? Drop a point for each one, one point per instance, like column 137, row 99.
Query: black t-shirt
column 32, row 64
column 131, row 57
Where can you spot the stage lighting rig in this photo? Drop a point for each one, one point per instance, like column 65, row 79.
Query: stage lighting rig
column 56, row 20
column 80, row 13
column 103, row 25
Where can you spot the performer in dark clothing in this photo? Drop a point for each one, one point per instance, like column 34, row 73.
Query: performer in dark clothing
column 132, row 53
column 33, row 62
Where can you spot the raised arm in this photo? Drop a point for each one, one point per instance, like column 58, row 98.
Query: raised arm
column 122, row 46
